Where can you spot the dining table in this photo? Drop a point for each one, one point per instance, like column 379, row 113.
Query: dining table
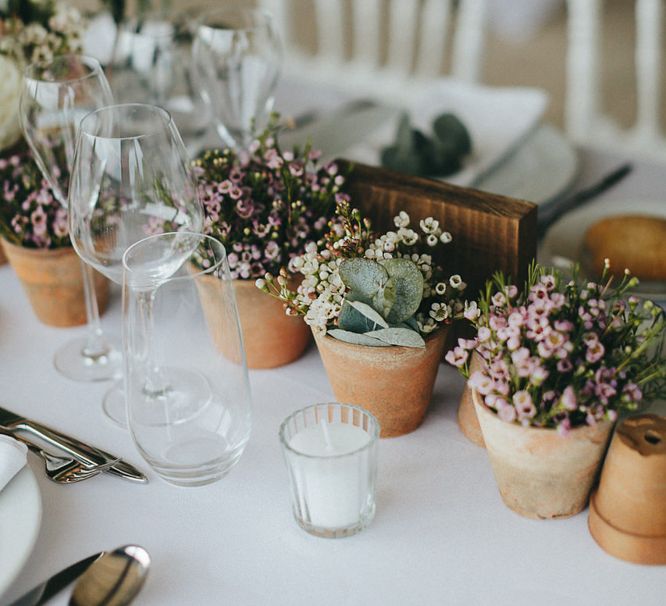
column 441, row 534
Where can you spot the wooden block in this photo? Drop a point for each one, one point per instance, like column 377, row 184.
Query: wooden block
column 489, row 232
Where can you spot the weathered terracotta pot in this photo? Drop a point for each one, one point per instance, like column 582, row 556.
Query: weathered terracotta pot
column 394, row 383
column 628, row 511
column 53, row 281
column 541, row 474
column 271, row 337
column 467, row 419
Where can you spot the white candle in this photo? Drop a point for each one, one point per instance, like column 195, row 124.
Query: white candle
column 333, row 489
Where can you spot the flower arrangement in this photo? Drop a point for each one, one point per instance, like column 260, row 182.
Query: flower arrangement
column 35, row 31
column 266, row 205
column 30, row 215
column 31, row 31
column 370, row 289
column 564, row 353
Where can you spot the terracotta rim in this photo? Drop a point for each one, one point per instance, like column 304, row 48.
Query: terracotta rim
column 37, row 252
column 622, row 544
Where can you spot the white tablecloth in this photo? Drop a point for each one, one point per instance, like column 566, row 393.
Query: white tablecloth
column 441, row 534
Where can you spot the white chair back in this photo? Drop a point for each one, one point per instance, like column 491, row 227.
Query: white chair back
column 414, row 48
column 585, row 119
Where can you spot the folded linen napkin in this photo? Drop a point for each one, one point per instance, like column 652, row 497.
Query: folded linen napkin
column 13, row 456
column 498, row 120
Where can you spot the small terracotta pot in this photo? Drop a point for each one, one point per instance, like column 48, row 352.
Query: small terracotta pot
column 53, row 281
column 541, row 474
column 394, row 383
column 271, row 337
column 628, row 511
column 467, row 419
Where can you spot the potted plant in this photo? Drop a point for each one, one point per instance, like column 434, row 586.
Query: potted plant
column 30, row 32
column 265, row 206
column 35, row 238
column 379, row 309
column 560, row 360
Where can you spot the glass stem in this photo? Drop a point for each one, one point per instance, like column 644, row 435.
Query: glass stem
column 155, row 384
column 96, row 345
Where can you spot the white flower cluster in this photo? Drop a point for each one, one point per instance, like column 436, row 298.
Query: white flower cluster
column 321, row 294
column 10, row 92
column 34, row 43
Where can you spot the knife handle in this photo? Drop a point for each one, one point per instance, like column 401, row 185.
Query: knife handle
column 88, row 455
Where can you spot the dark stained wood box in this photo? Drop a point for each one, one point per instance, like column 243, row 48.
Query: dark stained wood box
column 489, row 232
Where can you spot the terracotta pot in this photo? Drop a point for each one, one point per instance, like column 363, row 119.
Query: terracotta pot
column 467, row 419
column 541, row 474
column 394, row 383
column 628, row 511
column 3, row 257
column 53, row 281
column 271, row 337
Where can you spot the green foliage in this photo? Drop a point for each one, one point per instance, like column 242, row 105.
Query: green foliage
column 382, row 295
column 414, row 153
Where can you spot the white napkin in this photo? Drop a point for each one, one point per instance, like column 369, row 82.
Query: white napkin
column 13, row 456
column 498, row 120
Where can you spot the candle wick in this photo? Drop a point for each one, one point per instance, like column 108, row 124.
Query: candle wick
column 327, row 434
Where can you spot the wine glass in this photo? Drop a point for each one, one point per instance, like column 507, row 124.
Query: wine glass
column 187, row 391
column 236, row 57
column 150, row 64
column 130, row 179
column 54, row 98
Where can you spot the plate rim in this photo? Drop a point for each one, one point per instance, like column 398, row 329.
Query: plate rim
column 10, row 571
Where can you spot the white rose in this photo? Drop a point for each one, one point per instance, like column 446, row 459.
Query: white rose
column 10, row 91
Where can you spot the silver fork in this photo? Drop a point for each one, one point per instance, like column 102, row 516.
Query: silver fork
column 65, row 470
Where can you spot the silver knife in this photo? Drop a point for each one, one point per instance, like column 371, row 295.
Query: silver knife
column 45, row 591
column 17, row 425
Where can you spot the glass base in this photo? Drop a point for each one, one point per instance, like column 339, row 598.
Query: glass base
column 72, row 362
column 113, row 406
column 337, row 533
column 200, row 475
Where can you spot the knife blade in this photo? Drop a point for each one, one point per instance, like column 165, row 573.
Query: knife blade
column 86, row 454
column 45, row 591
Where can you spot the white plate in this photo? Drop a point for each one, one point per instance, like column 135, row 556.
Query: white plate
column 20, row 518
column 499, row 120
column 541, row 170
column 563, row 242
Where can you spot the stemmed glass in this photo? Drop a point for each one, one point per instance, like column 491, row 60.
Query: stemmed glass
column 236, row 58
column 54, row 99
column 188, row 397
column 130, row 179
column 151, row 65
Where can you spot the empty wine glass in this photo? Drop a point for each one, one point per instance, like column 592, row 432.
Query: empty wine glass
column 150, row 64
column 54, row 99
column 130, row 179
column 236, row 56
column 188, row 397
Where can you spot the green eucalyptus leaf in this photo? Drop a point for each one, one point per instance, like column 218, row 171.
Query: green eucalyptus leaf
column 408, row 163
column 385, row 298
column 450, row 130
column 356, row 338
column 363, row 277
column 371, row 314
column 356, row 316
column 412, row 323
column 406, row 288
column 404, row 139
column 398, row 336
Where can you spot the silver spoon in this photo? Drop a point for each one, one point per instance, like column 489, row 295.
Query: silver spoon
column 114, row 579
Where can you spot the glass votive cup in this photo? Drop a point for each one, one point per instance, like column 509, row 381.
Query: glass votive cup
column 331, row 455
